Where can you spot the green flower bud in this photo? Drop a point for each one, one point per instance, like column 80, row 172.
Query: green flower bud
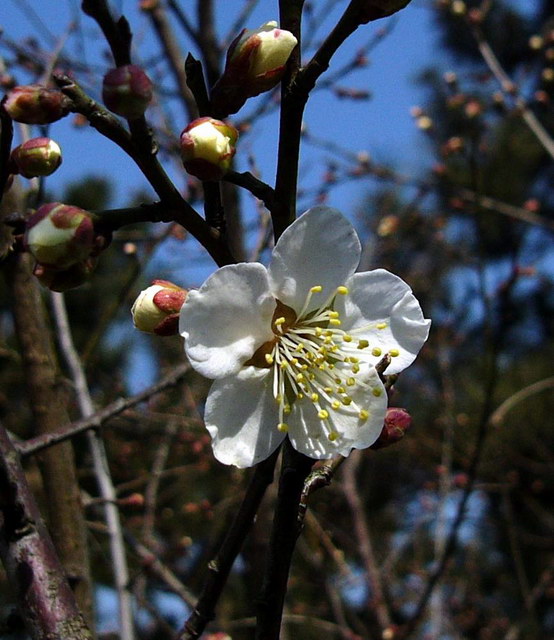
column 37, row 157
column 156, row 310
column 127, row 91
column 207, row 148
column 35, row 104
column 59, row 235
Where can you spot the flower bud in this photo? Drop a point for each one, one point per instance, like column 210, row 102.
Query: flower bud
column 207, row 148
column 35, row 104
column 37, row 157
column 156, row 310
column 59, row 235
column 255, row 63
column 397, row 422
column 64, row 279
column 127, row 91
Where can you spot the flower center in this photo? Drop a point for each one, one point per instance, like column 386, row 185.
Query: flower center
column 314, row 360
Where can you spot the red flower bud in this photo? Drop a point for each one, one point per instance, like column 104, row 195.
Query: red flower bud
column 397, row 422
column 35, row 104
column 127, row 91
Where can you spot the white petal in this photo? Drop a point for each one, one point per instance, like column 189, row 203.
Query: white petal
column 319, row 248
column 382, row 309
column 242, row 416
column 309, row 436
column 227, row 319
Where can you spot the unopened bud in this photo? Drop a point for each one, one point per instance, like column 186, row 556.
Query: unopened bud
column 127, row 91
column 64, row 279
column 35, row 104
column 156, row 310
column 37, row 157
column 397, row 422
column 255, row 63
column 207, row 148
column 59, row 235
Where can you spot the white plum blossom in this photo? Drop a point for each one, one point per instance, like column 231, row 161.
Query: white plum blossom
column 292, row 348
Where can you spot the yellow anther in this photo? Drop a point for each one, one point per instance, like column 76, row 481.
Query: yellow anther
column 335, row 322
column 342, row 290
column 294, row 361
column 282, row 427
column 311, row 376
column 382, row 325
column 333, row 435
column 377, row 392
column 347, row 338
column 341, row 389
column 334, row 314
column 279, row 398
column 269, row 358
column 314, row 397
column 356, row 368
column 354, row 360
column 286, row 409
column 335, row 404
column 364, row 414
column 318, row 331
column 328, row 339
column 394, row 353
column 334, row 348
column 299, row 396
column 346, row 400
column 328, row 389
column 304, row 367
column 280, row 321
column 350, row 382
column 363, row 344
column 284, row 364
column 299, row 346
column 331, row 365
column 323, row 414
column 317, row 289
column 376, row 352
column 328, row 333
column 300, row 377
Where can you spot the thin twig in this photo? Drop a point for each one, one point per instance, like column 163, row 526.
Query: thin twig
column 220, row 566
column 97, row 419
column 101, row 468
